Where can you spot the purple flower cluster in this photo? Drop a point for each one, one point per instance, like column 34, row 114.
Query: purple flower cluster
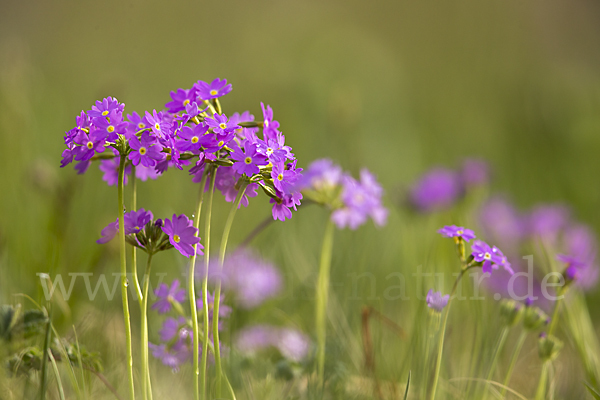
column 248, row 153
column 249, row 277
column 440, row 188
column 352, row 201
column 291, row 343
column 548, row 225
column 176, row 339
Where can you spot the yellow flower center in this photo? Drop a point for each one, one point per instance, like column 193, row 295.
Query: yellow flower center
column 110, row 129
column 141, row 125
column 221, row 143
column 157, row 126
column 269, row 151
column 176, row 238
column 280, row 177
column 213, row 92
column 186, row 102
column 104, row 113
column 142, row 150
column 222, row 125
column 195, row 139
column 487, row 256
column 459, row 232
column 248, row 160
column 90, row 145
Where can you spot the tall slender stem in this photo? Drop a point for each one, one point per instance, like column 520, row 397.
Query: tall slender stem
column 217, row 298
column 513, row 360
column 497, row 351
column 321, row 300
column 124, row 282
column 144, row 323
column 205, row 327
column 540, row 393
column 438, row 363
column 192, row 290
column 554, row 319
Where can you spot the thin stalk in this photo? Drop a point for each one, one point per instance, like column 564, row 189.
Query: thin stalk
column 192, row 291
column 45, row 353
column 205, row 327
column 554, row 319
column 61, row 392
column 144, row 323
column 321, row 300
column 124, row 283
column 138, row 288
column 438, row 363
column 217, row 297
column 540, row 393
column 497, row 351
column 513, row 360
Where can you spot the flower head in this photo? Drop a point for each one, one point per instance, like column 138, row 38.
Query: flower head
column 217, row 88
column 457, row 232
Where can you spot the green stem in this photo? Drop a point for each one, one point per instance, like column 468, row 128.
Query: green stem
column 540, row 393
column 497, row 351
column 192, row 291
column 205, row 284
column 513, row 360
column 554, row 319
column 217, row 297
column 124, row 282
column 321, row 300
column 144, row 323
column 45, row 353
column 438, row 363
column 61, row 392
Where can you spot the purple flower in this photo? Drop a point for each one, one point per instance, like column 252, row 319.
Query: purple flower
column 226, row 181
column 474, row 172
column 436, row 301
column 159, row 127
column 191, row 138
column 109, row 232
column 182, row 234
column 181, row 98
column 135, row 221
column 438, row 189
column 105, row 107
column 281, row 206
column 136, row 123
column 110, row 127
column 220, row 124
column 172, row 357
column 501, row 260
column 146, row 150
column 89, row 145
column 217, row 88
column 144, row 173
column 321, row 174
column 457, row 232
column 291, row 343
column 172, row 328
column 111, row 171
column 247, row 160
column 270, row 126
column 482, row 252
column 571, row 261
column 252, row 279
column 284, row 179
column 361, row 200
column 167, row 295
column 547, row 221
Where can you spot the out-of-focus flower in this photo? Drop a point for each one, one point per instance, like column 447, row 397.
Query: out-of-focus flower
column 438, row 189
column 166, row 295
column 457, row 232
column 291, row 343
column 436, row 301
column 474, row 172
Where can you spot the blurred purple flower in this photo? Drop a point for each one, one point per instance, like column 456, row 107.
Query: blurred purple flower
column 474, row 172
column 438, row 189
column 166, row 295
column 436, row 301
column 291, row 343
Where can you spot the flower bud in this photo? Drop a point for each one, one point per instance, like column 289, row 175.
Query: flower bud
column 548, row 347
column 510, row 312
column 534, row 318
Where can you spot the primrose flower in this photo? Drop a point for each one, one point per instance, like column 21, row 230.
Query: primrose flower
column 321, row 174
column 155, row 121
column 217, row 88
column 145, row 150
column 181, row 98
column 474, row 172
column 190, row 138
column 111, row 171
column 135, row 123
column 172, row 357
column 105, row 107
column 436, row 301
column 291, row 343
column 438, row 189
column 166, row 295
column 247, row 160
column 220, row 124
column 182, row 234
column 89, row 145
column 482, row 252
column 457, row 232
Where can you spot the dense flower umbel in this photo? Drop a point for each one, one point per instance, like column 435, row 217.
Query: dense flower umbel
column 352, row 201
column 192, row 131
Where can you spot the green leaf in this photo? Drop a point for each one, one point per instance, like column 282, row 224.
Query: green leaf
column 33, row 323
column 592, row 391
column 7, row 318
column 407, row 386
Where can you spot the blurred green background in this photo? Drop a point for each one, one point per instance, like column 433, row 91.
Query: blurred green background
column 395, row 86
